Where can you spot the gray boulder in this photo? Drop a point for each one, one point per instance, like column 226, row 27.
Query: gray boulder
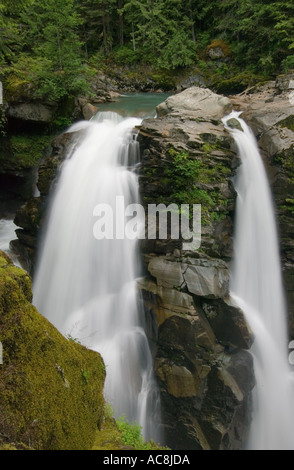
column 196, row 103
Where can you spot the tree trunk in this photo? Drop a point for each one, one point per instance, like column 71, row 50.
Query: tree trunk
column 192, row 21
column 133, row 37
column 121, row 23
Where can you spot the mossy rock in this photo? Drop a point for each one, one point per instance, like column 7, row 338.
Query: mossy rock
column 51, row 388
column 108, row 437
column 218, row 49
column 288, row 123
column 183, row 178
column 21, row 152
column 234, row 83
column 233, row 123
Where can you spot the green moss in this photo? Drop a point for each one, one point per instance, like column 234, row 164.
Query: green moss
column 237, row 82
column 17, row 87
column 108, row 437
column 219, row 44
column 28, row 150
column 21, row 152
column 13, row 446
column 131, row 434
column 190, row 179
column 288, row 123
column 217, row 216
column 51, row 388
column 286, row 161
column 121, row 434
column 289, row 206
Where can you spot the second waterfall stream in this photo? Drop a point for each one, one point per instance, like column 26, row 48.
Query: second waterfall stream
column 87, row 287
column 256, row 286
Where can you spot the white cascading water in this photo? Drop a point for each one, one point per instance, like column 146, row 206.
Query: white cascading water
column 7, row 233
column 87, row 287
column 256, row 286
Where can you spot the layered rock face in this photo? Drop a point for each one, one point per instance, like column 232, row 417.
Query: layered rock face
column 202, row 365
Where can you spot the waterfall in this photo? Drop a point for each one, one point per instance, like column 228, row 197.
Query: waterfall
column 256, row 286
column 7, row 233
column 87, row 286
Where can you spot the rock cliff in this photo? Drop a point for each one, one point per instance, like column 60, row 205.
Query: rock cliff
column 202, row 365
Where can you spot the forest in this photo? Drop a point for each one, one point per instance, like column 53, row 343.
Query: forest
column 54, row 47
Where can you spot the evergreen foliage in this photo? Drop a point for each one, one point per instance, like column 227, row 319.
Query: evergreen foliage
column 54, row 44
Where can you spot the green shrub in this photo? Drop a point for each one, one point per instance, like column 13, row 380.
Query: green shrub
column 288, row 63
column 125, row 55
column 131, row 434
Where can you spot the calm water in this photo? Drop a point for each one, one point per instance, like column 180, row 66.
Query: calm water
column 138, row 104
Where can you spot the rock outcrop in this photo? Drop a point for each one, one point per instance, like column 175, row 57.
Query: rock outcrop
column 191, row 103
column 20, row 155
column 30, row 217
column 203, row 368
column 32, row 112
column 51, row 387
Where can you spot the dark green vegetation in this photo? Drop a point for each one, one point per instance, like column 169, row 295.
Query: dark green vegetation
column 188, row 179
column 25, row 151
column 52, row 49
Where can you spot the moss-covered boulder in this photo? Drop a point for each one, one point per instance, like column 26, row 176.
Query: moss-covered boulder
column 51, row 387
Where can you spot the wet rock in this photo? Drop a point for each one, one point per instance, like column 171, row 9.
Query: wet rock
column 167, row 273
column 228, row 323
column 89, row 110
column 180, row 381
column 169, row 301
column 234, row 124
column 207, row 278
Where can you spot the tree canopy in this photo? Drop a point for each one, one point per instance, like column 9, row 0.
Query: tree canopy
column 53, row 42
